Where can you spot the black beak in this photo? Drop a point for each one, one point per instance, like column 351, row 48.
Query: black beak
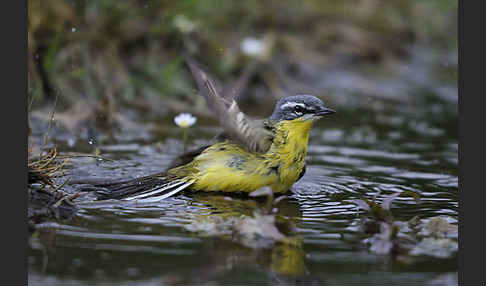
column 325, row 111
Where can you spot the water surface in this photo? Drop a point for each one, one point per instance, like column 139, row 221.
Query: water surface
column 376, row 150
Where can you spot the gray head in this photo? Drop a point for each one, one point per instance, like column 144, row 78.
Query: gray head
column 307, row 107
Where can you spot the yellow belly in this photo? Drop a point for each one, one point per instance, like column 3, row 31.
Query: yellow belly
column 227, row 167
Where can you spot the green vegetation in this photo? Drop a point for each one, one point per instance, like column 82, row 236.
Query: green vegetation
column 130, row 52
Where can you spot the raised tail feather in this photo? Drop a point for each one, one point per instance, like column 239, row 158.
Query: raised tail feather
column 145, row 189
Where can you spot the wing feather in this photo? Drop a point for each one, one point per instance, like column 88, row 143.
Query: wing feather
column 254, row 135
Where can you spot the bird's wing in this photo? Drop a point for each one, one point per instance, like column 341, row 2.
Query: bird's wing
column 254, row 135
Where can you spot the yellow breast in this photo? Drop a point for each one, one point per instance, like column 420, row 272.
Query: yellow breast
column 289, row 150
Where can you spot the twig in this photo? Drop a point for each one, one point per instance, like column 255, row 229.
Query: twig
column 62, row 185
column 69, row 197
column 87, row 155
column 48, row 127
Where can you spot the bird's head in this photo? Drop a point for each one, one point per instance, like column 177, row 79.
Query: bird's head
column 304, row 107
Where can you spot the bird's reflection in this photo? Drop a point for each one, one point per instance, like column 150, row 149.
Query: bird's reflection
column 263, row 229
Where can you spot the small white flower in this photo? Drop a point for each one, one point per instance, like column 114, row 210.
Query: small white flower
column 183, row 24
column 253, row 47
column 185, row 120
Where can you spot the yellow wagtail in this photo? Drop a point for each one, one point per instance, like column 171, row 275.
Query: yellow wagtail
column 249, row 154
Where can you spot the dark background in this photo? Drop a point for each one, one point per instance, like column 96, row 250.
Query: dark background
column 105, row 54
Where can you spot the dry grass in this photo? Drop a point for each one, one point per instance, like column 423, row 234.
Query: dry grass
column 46, row 168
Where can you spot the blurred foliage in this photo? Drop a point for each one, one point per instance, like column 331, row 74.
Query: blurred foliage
column 131, row 51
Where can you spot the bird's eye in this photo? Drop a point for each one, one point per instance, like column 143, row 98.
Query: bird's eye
column 299, row 109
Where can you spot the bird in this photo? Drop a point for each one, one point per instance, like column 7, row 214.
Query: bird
column 248, row 155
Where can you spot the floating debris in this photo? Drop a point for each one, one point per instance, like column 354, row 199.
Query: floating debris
column 257, row 231
column 434, row 237
column 258, row 227
column 439, row 227
column 437, row 247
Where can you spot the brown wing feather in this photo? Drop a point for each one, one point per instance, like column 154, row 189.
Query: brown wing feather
column 252, row 134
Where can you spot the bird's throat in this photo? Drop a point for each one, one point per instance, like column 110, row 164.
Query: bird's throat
column 291, row 135
column 288, row 150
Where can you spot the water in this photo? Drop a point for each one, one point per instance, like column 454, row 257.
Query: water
column 378, row 149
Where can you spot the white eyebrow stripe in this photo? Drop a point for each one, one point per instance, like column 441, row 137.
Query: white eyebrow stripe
column 292, row 104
